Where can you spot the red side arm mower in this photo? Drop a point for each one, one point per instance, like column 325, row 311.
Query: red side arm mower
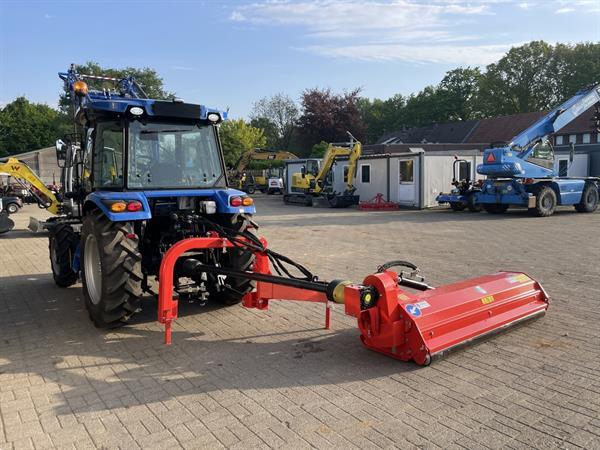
column 419, row 326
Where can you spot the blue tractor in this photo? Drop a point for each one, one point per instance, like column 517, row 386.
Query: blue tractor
column 140, row 175
column 522, row 173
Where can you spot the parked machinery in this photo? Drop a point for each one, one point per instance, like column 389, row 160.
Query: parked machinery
column 6, row 224
column 464, row 193
column 315, row 181
column 145, row 194
column 267, row 180
column 522, row 173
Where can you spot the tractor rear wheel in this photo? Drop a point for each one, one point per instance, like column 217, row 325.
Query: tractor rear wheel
column 495, row 208
column 62, row 244
column 589, row 199
column 545, row 202
column 111, row 270
column 232, row 290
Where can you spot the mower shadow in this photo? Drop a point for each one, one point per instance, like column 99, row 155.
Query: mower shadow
column 45, row 333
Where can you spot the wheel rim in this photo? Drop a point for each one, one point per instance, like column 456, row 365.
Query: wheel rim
column 93, row 269
column 547, row 202
column 12, row 209
column 591, row 198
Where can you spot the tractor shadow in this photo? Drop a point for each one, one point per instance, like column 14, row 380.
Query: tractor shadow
column 45, row 334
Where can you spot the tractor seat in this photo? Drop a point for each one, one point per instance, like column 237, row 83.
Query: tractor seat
column 166, row 174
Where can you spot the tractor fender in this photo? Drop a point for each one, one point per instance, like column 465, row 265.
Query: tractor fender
column 102, row 200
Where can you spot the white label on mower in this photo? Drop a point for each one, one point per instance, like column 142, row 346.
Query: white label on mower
column 422, row 304
column 480, row 290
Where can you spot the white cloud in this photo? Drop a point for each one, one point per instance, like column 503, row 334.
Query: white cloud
column 524, row 5
column 564, row 10
column 379, row 30
column 446, row 54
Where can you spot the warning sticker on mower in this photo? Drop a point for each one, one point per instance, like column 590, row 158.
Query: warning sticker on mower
column 422, row 304
column 414, row 310
column 487, row 300
column 521, row 278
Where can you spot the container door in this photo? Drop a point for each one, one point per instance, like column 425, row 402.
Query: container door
column 407, row 192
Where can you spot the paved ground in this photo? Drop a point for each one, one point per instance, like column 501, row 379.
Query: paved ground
column 238, row 378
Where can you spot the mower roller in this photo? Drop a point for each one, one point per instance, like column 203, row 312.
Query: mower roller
column 405, row 325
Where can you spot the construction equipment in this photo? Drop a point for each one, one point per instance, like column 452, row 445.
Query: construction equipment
column 522, row 173
column 249, row 180
column 465, row 190
column 378, row 203
column 28, row 179
column 6, row 224
column 407, row 326
column 145, row 194
column 315, row 181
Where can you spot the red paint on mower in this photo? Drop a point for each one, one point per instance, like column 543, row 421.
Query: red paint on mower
column 408, row 326
column 378, row 203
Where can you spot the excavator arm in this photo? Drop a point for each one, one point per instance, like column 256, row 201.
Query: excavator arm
column 353, row 153
column 24, row 175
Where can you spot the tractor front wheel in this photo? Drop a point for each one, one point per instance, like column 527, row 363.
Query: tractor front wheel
column 111, row 270
column 62, row 245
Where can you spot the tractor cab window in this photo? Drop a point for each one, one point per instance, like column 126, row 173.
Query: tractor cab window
column 312, row 167
column 108, row 155
column 163, row 155
column 542, row 155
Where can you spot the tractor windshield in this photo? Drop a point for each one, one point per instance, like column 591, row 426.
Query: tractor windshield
column 164, row 155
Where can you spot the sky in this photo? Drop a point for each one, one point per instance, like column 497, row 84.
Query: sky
column 229, row 54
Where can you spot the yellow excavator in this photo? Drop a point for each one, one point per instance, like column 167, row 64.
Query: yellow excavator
column 264, row 180
column 27, row 178
column 314, row 184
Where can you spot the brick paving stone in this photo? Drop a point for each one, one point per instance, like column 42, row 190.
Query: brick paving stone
column 255, row 379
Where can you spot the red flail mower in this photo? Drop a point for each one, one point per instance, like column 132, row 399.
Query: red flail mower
column 405, row 325
column 378, row 203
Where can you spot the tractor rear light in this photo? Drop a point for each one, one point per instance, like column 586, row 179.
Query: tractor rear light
column 118, row 206
column 247, row 201
column 134, row 206
column 236, row 201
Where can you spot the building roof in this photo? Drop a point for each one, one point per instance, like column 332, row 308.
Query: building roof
column 451, row 132
column 459, row 148
column 504, row 128
column 484, row 131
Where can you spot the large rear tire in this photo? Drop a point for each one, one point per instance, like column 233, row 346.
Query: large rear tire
column 62, row 244
column 111, row 270
column 589, row 199
column 232, row 290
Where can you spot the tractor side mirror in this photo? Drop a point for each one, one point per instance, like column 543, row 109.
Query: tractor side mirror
column 61, row 153
column 572, row 152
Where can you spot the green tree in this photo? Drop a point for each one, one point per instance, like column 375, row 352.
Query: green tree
column 238, row 137
column 28, row 126
column 318, row 150
column 458, row 92
column 270, row 131
column 523, row 80
column 381, row 116
column 147, row 78
column 576, row 66
column 279, row 114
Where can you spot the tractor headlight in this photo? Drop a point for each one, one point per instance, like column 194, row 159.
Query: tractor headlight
column 214, row 117
column 136, row 111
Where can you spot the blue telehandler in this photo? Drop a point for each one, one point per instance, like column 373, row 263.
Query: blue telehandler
column 522, row 173
column 138, row 176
